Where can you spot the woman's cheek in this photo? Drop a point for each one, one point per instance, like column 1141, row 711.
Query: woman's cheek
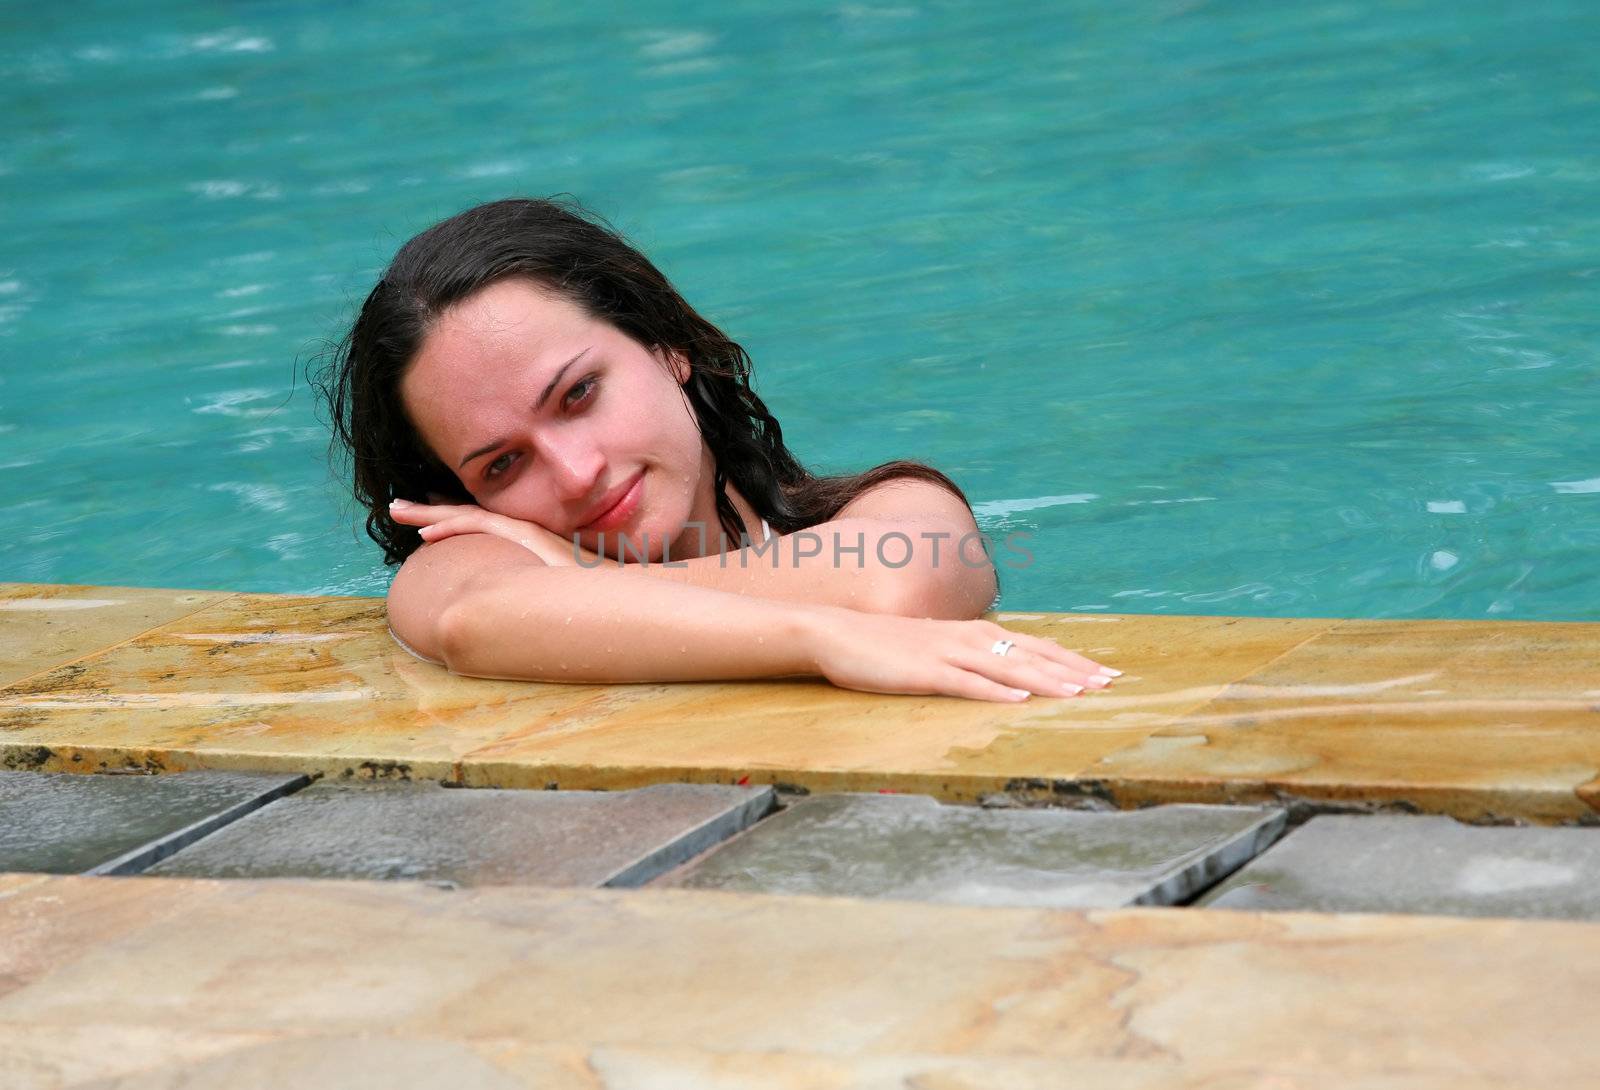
column 514, row 503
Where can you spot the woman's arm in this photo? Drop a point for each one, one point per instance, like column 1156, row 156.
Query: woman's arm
column 489, row 608
column 906, row 547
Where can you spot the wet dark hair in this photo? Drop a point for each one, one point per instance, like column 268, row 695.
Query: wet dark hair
column 562, row 247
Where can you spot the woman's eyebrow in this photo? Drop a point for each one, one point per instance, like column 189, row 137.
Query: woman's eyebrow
column 537, row 406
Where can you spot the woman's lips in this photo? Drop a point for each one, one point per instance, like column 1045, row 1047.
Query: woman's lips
column 620, row 512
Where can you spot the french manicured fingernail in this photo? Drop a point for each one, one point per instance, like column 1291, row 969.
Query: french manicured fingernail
column 1097, row 681
column 1021, row 694
column 1070, row 689
column 1109, row 672
column 399, row 503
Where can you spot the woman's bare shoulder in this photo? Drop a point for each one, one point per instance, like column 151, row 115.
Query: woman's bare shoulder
column 438, row 574
column 908, row 499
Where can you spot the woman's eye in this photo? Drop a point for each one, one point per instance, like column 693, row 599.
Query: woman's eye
column 581, row 391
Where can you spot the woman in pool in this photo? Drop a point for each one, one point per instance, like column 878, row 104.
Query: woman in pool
column 522, row 388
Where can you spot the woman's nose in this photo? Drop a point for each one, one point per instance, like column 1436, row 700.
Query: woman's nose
column 575, row 466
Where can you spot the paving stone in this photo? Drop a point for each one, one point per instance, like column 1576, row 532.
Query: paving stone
column 913, row 848
column 400, row 1059
column 152, row 983
column 61, row 823
column 475, row 837
column 1431, row 865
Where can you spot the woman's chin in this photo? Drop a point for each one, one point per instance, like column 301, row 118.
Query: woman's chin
column 650, row 538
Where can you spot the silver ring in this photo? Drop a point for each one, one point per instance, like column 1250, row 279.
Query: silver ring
column 1001, row 647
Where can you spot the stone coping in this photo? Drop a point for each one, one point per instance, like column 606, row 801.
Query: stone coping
column 169, row 982
column 1484, row 721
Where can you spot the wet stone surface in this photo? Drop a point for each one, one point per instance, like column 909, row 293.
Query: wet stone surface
column 475, row 837
column 1431, row 865
column 913, row 848
column 61, row 823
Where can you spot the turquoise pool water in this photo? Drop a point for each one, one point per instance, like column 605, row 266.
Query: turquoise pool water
column 1234, row 308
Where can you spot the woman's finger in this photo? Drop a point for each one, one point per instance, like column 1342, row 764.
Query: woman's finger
column 421, row 514
column 964, row 683
column 1053, row 658
column 1056, row 668
column 450, row 527
column 1022, row 670
column 1083, row 679
column 1050, row 649
column 1073, row 659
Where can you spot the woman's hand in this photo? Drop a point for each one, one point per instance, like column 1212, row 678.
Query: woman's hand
column 439, row 521
column 883, row 653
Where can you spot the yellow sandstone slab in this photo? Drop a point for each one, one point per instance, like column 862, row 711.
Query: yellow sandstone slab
column 813, row 735
column 45, row 625
column 172, row 978
column 270, row 682
column 279, row 683
column 1483, row 721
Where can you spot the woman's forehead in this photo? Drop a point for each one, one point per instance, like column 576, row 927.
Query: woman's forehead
column 510, row 322
column 481, row 356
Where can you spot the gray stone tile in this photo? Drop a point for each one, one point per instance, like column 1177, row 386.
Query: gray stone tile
column 1427, row 865
column 66, row 824
column 913, row 848
column 475, row 836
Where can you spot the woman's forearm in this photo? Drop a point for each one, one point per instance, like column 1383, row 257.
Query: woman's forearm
column 619, row 625
column 913, row 567
column 489, row 608
column 857, row 563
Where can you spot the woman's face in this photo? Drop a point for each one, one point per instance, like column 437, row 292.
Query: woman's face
column 549, row 415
